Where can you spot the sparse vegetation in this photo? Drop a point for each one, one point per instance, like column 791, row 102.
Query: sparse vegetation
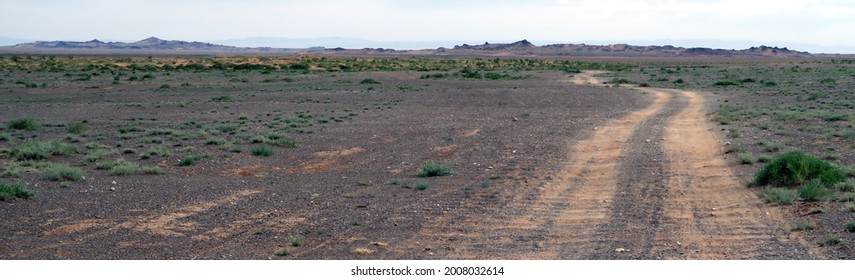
column 60, row 172
column 794, row 168
column 98, row 155
column 800, row 225
column 369, row 81
column 9, row 191
column 746, row 158
column 433, row 168
column 263, row 150
column 296, row 240
column 36, row 150
column 282, row 140
column 122, row 168
column 282, row 253
column 27, row 124
column 813, row 190
column 778, row 196
column 831, row 240
column 77, row 128
column 421, row 185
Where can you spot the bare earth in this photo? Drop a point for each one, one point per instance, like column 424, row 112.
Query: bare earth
column 650, row 185
column 555, row 167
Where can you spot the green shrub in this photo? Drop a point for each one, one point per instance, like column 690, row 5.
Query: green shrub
column 369, row 81
column 432, row 168
column 846, row 197
column 215, row 141
column 121, row 168
column 222, row 98
column 618, row 81
column 794, row 168
column 733, row 132
column 296, row 240
column 9, row 191
column 77, row 128
column 800, row 225
column 156, row 151
column 10, row 171
column 109, row 164
column 72, row 138
column 42, row 149
column 850, row 226
column 778, row 196
column 28, row 124
column 831, row 240
column 189, row 160
column 281, row 140
column 846, row 186
column 98, row 155
column 746, row 158
column 727, row 83
column 813, row 190
column 263, row 150
column 734, row 149
column 421, row 185
column 59, row 172
column 771, row 146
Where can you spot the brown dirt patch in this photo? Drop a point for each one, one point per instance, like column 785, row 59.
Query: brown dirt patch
column 329, row 159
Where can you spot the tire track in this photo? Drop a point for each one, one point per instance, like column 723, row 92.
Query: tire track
column 544, row 222
column 652, row 185
column 636, row 212
column 708, row 211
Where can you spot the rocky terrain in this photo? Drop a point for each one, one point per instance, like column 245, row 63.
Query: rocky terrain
column 524, row 48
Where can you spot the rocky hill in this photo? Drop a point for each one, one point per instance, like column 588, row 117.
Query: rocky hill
column 522, row 48
column 525, row 47
column 151, row 44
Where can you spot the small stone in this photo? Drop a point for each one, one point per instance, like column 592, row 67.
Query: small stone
column 726, row 143
column 114, row 182
column 679, row 244
column 648, row 140
column 713, row 209
column 112, row 189
column 515, row 119
column 621, row 250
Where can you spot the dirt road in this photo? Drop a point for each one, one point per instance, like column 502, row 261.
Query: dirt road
column 651, row 185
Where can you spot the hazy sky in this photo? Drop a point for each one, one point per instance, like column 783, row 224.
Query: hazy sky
column 828, row 22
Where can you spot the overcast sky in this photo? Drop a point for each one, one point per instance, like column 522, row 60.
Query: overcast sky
column 830, row 22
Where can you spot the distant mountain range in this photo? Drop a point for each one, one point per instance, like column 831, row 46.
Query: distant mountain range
column 152, row 44
column 523, row 48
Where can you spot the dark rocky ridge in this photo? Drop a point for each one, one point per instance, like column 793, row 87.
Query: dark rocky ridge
column 519, row 48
